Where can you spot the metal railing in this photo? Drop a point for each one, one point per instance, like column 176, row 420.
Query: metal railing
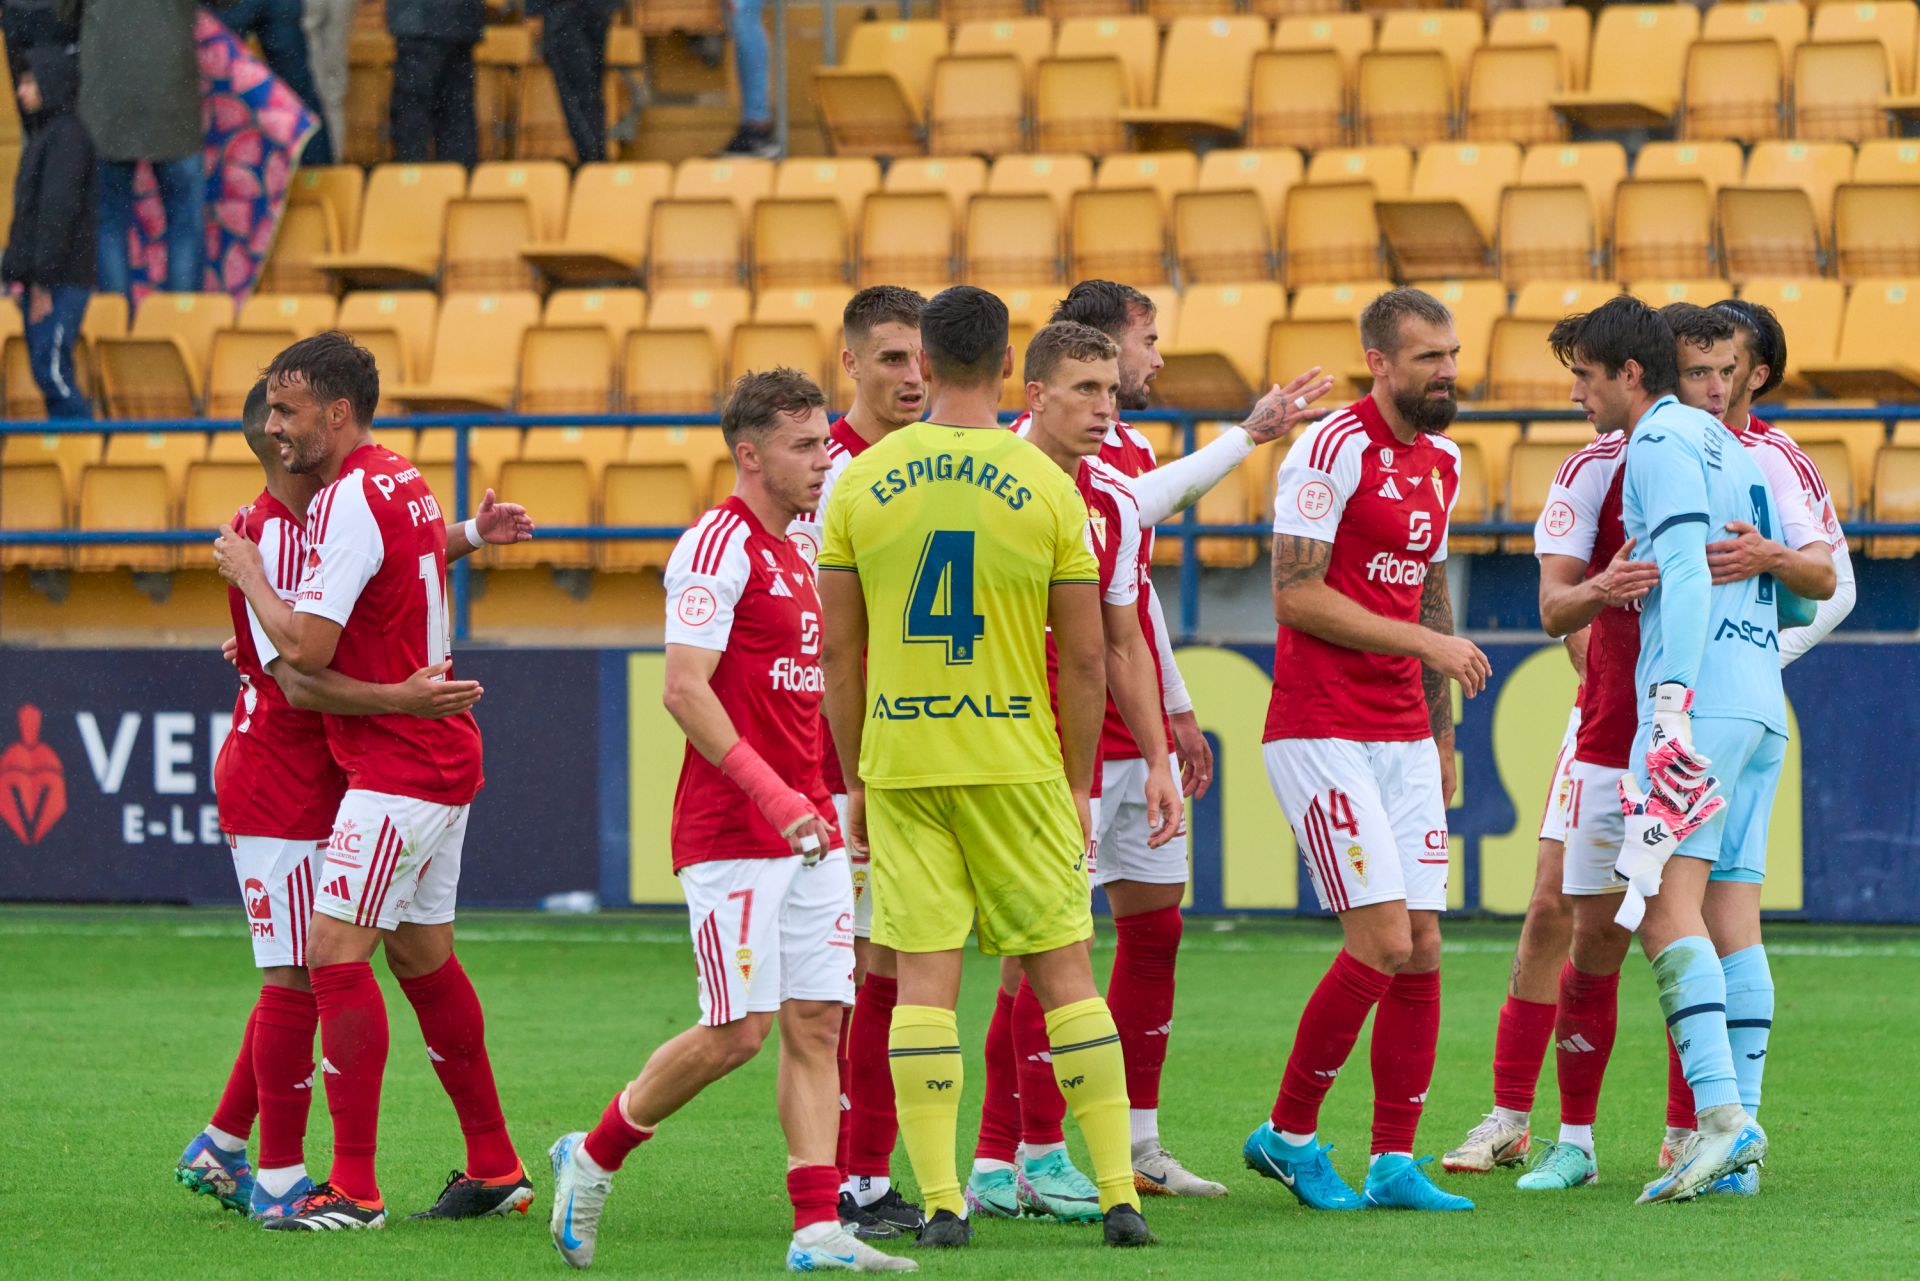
column 1189, row 529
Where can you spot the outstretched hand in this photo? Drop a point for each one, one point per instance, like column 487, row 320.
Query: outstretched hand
column 500, row 522
column 1284, row 408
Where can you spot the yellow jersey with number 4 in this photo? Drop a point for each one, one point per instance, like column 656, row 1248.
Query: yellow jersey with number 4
column 958, row 535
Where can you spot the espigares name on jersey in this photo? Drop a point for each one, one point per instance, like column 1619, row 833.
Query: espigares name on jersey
column 965, row 470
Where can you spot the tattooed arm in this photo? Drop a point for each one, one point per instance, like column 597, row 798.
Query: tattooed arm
column 1436, row 615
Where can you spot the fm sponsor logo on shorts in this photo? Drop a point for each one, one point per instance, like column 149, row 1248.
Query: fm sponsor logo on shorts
column 1398, row 571
column 259, row 908
column 946, row 707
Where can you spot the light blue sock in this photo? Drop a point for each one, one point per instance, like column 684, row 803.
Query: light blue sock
column 1693, row 996
column 1749, row 1018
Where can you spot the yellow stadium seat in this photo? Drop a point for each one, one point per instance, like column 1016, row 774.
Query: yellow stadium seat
column 597, row 447
column 542, row 184
column 215, row 491
column 1335, row 302
column 799, row 242
column 795, row 346
column 410, row 317
column 1549, row 300
column 1814, row 168
column 1567, row 30
column 1546, row 233
column 979, row 104
column 1454, row 33
column 1237, row 499
column 696, row 244
column 1841, row 452
column 1101, row 67
column 1206, row 65
column 874, row 102
column 1406, row 96
column 192, row 318
column 1896, row 496
column 305, row 235
column 34, row 497
column 402, row 227
column 1895, row 26
column 1508, row 92
column 1879, row 334
column 1132, row 41
column 1222, row 236
column 1299, row 98
column 742, row 181
column 1476, row 305
column 498, row 63
column 1735, row 20
column 485, row 239
column 672, row 371
column 1491, row 442
column 1658, row 293
column 107, row 316
column 172, row 452
column 370, row 61
column 1718, row 164
column 1639, row 57
column 1056, row 177
column 668, row 17
column 1268, row 172
column 715, row 310
column 958, row 178
column 1347, row 34
column 1331, row 234
column 849, row 180
column 1663, row 229
column 1838, row 89
column 1027, row 39
column 1768, row 231
column 907, row 237
column 539, row 126
column 230, row 446
column 608, row 218
column 642, row 493
column 1520, row 368
column 618, row 311
column 1120, row 235
column 1600, row 167
column 68, row 451
column 1734, row 89
column 1334, row 345
column 561, row 491
column 1166, row 173
column 476, row 352
column 303, row 315
column 488, row 449
column 239, row 358
column 148, row 377
column 1884, row 160
column 339, row 188
column 1906, row 432
column 1389, row 167
column 131, row 497
column 1014, row 240
column 1876, row 230
column 1472, row 501
column 1217, row 355
column 1531, row 468
column 1809, row 309
column 1446, row 226
column 566, row 370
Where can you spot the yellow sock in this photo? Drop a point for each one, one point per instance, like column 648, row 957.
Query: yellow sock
column 1093, row 1076
column 923, row 1053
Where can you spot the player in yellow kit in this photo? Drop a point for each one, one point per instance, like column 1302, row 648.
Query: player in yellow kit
column 948, row 550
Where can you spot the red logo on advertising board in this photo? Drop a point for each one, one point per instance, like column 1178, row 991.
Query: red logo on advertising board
column 33, row 784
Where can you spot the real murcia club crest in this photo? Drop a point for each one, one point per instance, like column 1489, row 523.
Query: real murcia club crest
column 1358, row 857
column 744, row 959
column 1097, row 522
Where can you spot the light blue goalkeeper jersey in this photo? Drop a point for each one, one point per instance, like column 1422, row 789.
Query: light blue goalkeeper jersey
column 1686, row 477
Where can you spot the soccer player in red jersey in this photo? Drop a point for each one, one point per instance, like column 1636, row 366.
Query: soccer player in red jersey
column 1072, row 385
column 767, row 884
column 278, row 789
column 881, row 328
column 372, row 605
column 1359, row 741
column 1144, row 883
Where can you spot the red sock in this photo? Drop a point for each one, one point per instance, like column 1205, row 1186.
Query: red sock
column 614, row 1139
column 1406, row 1036
column 239, row 1102
column 1042, row 1107
column 815, row 1193
column 1140, row 994
column 283, row 1024
column 1583, row 1040
column 843, row 1150
column 1680, row 1111
column 456, row 1033
column 875, row 1125
column 353, row 1045
column 1000, row 1107
column 1328, row 1028
column 1519, row 1048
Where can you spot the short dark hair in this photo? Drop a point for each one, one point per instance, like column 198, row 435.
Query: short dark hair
column 880, row 305
column 1065, row 340
column 1380, row 320
column 756, row 400
column 1620, row 329
column 334, row 367
column 253, row 422
column 1106, row 305
column 1695, row 325
column 964, row 332
column 1766, row 338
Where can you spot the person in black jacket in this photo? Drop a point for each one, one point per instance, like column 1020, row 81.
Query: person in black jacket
column 573, row 40
column 432, row 105
column 50, row 250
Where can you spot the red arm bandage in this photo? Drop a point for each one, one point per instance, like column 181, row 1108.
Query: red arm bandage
column 779, row 804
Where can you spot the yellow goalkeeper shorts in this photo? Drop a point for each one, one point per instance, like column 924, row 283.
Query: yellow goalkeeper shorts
column 1011, row 852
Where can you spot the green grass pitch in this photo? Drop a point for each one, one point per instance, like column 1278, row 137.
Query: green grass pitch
column 120, row 1025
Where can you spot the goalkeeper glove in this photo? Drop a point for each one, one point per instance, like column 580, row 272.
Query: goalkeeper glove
column 1654, row 830
column 1675, row 771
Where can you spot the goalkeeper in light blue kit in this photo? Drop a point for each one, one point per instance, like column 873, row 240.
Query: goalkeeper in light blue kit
column 1710, row 698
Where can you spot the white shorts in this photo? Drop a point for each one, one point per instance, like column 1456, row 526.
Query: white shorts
column 1121, row 829
column 276, row 883
column 1553, row 820
column 857, row 865
column 1093, row 842
column 392, row 860
column 1369, row 817
column 1595, row 828
column 767, row 931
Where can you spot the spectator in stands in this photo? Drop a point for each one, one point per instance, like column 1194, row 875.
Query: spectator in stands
column 433, row 107
column 755, row 135
column 50, row 249
column 329, row 28
column 573, row 40
column 140, row 100
column 276, row 24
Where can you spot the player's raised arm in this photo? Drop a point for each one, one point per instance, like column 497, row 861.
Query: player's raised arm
column 1172, row 487
column 1569, row 600
column 306, row 642
column 495, row 522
